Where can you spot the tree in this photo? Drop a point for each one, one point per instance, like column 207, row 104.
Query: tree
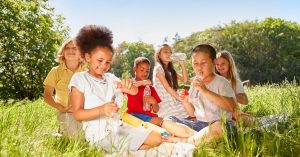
column 266, row 51
column 125, row 55
column 30, row 36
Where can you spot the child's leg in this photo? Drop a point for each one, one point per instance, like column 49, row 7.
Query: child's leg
column 153, row 140
column 177, row 129
column 156, row 120
column 208, row 134
column 173, row 139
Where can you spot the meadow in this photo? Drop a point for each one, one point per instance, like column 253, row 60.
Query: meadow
column 26, row 128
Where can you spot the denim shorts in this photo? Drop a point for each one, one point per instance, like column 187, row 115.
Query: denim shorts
column 141, row 116
column 199, row 125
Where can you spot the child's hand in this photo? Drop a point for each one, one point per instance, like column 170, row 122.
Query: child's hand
column 142, row 83
column 62, row 109
column 149, row 99
column 110, row 109
column 147, row 82
column 184, row 95
column 181, row 62
column 199, row 85
column 70, row 109
column 126, row 85
column 184, row 98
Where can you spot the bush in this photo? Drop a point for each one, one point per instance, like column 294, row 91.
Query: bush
column 29, row 37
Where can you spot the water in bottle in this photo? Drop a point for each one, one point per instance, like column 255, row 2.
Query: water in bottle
column 147, row 92
column 113, row 122
column 178, row 56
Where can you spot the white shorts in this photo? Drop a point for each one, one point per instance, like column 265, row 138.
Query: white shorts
column 68, row 125
column 126, row 139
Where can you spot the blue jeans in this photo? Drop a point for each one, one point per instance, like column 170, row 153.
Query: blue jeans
column 195, row 125
column 199, row 125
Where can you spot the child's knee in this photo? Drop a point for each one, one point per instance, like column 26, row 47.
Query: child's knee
column 216, row 129
column 155, row 138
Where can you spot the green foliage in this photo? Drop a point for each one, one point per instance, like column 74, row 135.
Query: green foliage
column 27, row 126
column 26, row 130
column 125, row 55
column 281, row 139
column 266, row 51
column 29, row 36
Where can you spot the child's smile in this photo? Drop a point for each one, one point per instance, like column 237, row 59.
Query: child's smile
column 99, row 61
column 222, row 66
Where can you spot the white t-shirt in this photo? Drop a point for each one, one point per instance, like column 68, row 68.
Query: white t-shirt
column 96, row 93
column 205, row 109
column 169, row 106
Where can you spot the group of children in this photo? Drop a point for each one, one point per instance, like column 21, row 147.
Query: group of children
column 90, row 95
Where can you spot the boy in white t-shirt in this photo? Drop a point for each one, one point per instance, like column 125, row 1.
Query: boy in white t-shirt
column 211, row 97
column 94, row 97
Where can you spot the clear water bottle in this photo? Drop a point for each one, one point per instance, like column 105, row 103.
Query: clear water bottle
column 147, row 92
column 113, row 122
column 178, row 56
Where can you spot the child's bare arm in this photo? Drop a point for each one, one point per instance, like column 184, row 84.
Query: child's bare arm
column 189, row 107
column 184, row 76
column 128, row 87
column 48, row 98
column 151, row 100
column 166, row 85
column 155, row 107
column 77, row 101
column 226, row 103
column 142, row 83
column 242, row 98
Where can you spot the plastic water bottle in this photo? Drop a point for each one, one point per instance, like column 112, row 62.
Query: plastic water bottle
column 113, row 122
column 178, row 56
column 147, row 92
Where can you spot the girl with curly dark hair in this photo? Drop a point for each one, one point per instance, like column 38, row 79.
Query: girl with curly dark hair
column 94, row 96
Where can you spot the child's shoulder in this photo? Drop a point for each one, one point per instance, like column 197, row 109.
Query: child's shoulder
column 220, row 78
column 80, row 74
column 157, row 65
column 220, row 81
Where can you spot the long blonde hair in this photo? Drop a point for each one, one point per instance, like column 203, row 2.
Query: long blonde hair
column 233, row 75
column 172, row 80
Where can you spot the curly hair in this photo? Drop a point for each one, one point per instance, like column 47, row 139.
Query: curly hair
column 92, row 36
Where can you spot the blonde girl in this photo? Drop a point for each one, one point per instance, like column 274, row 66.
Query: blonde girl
column 225, row 66
column 57, row 80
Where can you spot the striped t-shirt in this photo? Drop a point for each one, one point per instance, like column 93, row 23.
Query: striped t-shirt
column 169, row 106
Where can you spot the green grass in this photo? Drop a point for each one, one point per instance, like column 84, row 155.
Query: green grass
column 26, row 128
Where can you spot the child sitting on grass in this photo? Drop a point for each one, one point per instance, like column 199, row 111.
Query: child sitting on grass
column 56, row 83
column 211, row 97
column 225, row 66
column 135, row 104
column 93, row 96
